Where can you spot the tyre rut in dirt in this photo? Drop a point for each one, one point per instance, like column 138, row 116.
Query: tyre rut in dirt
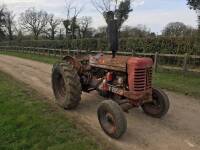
column 66, row 85
column 159, row 106
column 112, row 119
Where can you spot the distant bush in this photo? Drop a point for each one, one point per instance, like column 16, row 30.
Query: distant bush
column 145, row 45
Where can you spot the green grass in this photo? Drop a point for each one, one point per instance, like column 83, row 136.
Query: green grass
column 188, row 84
column 45, row 59
column 174, row 81
column 29, row 122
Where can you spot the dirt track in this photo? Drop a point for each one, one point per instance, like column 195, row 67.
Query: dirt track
column 179, row 130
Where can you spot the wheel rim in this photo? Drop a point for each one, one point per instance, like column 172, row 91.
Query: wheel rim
column 60, row 86
column 155, row 106
column 108, row 122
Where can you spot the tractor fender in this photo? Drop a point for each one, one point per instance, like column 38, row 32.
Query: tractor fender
column 73, row 61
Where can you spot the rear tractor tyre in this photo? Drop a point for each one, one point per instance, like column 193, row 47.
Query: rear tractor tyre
column 66, row 85
column 112, row 119
column 159, row 106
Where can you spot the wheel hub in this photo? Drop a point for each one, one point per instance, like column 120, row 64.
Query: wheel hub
column 109, row 123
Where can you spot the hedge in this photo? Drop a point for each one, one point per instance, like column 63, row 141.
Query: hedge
column 146, row 45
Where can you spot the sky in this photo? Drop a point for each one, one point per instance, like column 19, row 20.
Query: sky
column 155, row 14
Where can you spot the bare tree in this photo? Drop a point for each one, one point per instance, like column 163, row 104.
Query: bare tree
column 10, row 23
column 2, row 21
column 115, row 13
column 72, row 13
column 73, row 9
column 66, row 22
column 105, row 5
column 53, row 23
column 74, row 27
column 34, row 21
column 84, row 25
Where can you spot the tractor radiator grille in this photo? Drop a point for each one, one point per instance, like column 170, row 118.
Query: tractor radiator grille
column 149, row 78
column 142, row 79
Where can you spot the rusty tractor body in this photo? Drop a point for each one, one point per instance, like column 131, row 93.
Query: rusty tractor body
column 125, row 81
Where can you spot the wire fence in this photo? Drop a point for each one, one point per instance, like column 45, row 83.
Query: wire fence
column 185, row 63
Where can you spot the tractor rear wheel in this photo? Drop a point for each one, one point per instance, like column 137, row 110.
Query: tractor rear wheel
column 159, row 106
column 66, row 85
column 112, row 119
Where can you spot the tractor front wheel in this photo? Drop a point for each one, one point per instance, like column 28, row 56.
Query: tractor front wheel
column 159, row 105
column 66, row 85
column 112, row 119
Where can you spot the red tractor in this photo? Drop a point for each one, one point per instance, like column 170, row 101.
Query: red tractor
column 125, row 81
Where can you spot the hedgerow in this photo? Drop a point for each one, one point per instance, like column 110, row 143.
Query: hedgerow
column 145, row 45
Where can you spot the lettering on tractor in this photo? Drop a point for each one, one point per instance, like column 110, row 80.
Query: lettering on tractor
column 125, row 81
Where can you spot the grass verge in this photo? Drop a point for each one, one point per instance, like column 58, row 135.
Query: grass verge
column 175, row 81
column 188, row 84
column 45, row 59
column 29, row 122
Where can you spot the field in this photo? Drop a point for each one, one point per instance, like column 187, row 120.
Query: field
column 169, row 80
column 174, row 131
column 28, row 121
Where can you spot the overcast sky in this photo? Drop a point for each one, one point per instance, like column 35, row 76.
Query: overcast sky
column 155, row 14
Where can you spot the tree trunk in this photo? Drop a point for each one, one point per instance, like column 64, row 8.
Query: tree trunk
column 66, row 33
column 52, row 34
column 199, row 23
column 83, row 34
column 73, row 33
column 79, row 33
column 36, row 36
column 112, row 31
column 10, row 34
column 60, row 35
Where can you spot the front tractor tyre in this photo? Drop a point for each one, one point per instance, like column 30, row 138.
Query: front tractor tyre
column 66, row 85
column 159, row 105
column 112, row 119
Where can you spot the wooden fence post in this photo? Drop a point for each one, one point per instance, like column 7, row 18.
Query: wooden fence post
column 68, row 51
column 156, row 62
column 55, row 52
column 61, row 53
column 132, row 52
column 26, row 50
column 43, row 52
column 185, row 67
column 34, row 50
